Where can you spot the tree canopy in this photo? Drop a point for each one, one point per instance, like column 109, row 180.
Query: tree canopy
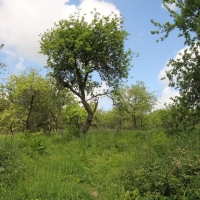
column 184, row 73
column 31, row 102
column 78, row 51
column 136, row 101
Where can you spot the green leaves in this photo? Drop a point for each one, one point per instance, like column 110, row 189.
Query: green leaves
column 30, row 101
column 77, row 49
column 25, row 94
column 183, row 73
column 186, row 19
column 136, row 101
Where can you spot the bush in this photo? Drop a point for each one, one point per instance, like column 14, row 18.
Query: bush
column 74, row 130
column 32, row 145
column 177, row 177
column 160, row 143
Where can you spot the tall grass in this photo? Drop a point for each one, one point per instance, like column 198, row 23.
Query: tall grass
column 102, row 164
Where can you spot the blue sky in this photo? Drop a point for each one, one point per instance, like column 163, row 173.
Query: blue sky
column 21, row 23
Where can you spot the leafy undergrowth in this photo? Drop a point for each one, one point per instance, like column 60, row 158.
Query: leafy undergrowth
column 100, row 165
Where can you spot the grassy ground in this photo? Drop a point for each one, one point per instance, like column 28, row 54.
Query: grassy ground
column 100, row 165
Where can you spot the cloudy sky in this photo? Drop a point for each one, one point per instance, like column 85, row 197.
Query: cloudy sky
column 22, row 21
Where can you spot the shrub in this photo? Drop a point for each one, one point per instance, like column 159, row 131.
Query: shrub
column 175, row 177
column 160, row 143
column 74, row 130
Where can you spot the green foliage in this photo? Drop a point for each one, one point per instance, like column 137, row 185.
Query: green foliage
column 185, row 19
column 100, row 165
column 136, row 101
column 117, row 119
column 160, row 143
column 10, row 166
column 154, row 119
column 77, row 49
column 26, row 94
column 75, row 131
column 32, row 102
column 183, row 72
column 74, row 114
column 60, row 100
column 67, row 135
column 175, row 118
column 174, row 174
column 176, row 180
column 82, row 44
column 36, row 145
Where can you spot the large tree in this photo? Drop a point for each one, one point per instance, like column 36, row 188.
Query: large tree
column 184, row 73
column 82, row 55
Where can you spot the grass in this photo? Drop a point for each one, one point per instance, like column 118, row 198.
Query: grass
column 102, row 164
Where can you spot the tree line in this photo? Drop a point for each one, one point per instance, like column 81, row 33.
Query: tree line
column 81, row 57
column 31, row 102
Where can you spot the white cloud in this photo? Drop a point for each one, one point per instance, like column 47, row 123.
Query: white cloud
column 104, row 102
column 22, row 22
column 104, row 87
column 100, row 90
column 171, row 6
column 166, row 96
column 162, row 73
column 12, row 57
column 168, row 92
column 102, row 7
column 20, row 65
column 9, row 53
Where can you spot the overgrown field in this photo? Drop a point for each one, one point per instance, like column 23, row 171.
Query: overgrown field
column 100, row 165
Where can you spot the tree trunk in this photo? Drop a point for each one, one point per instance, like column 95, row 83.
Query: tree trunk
column 56, row 120
column 88, row 122
column 90, row 112
column 134, row 120
column 11, row 130
column 28, row 124
column 58, row 128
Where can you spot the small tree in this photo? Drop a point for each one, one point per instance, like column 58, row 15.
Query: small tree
column 28, row 100
column 78, row 50
column 59, row 100
column 136, row 101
